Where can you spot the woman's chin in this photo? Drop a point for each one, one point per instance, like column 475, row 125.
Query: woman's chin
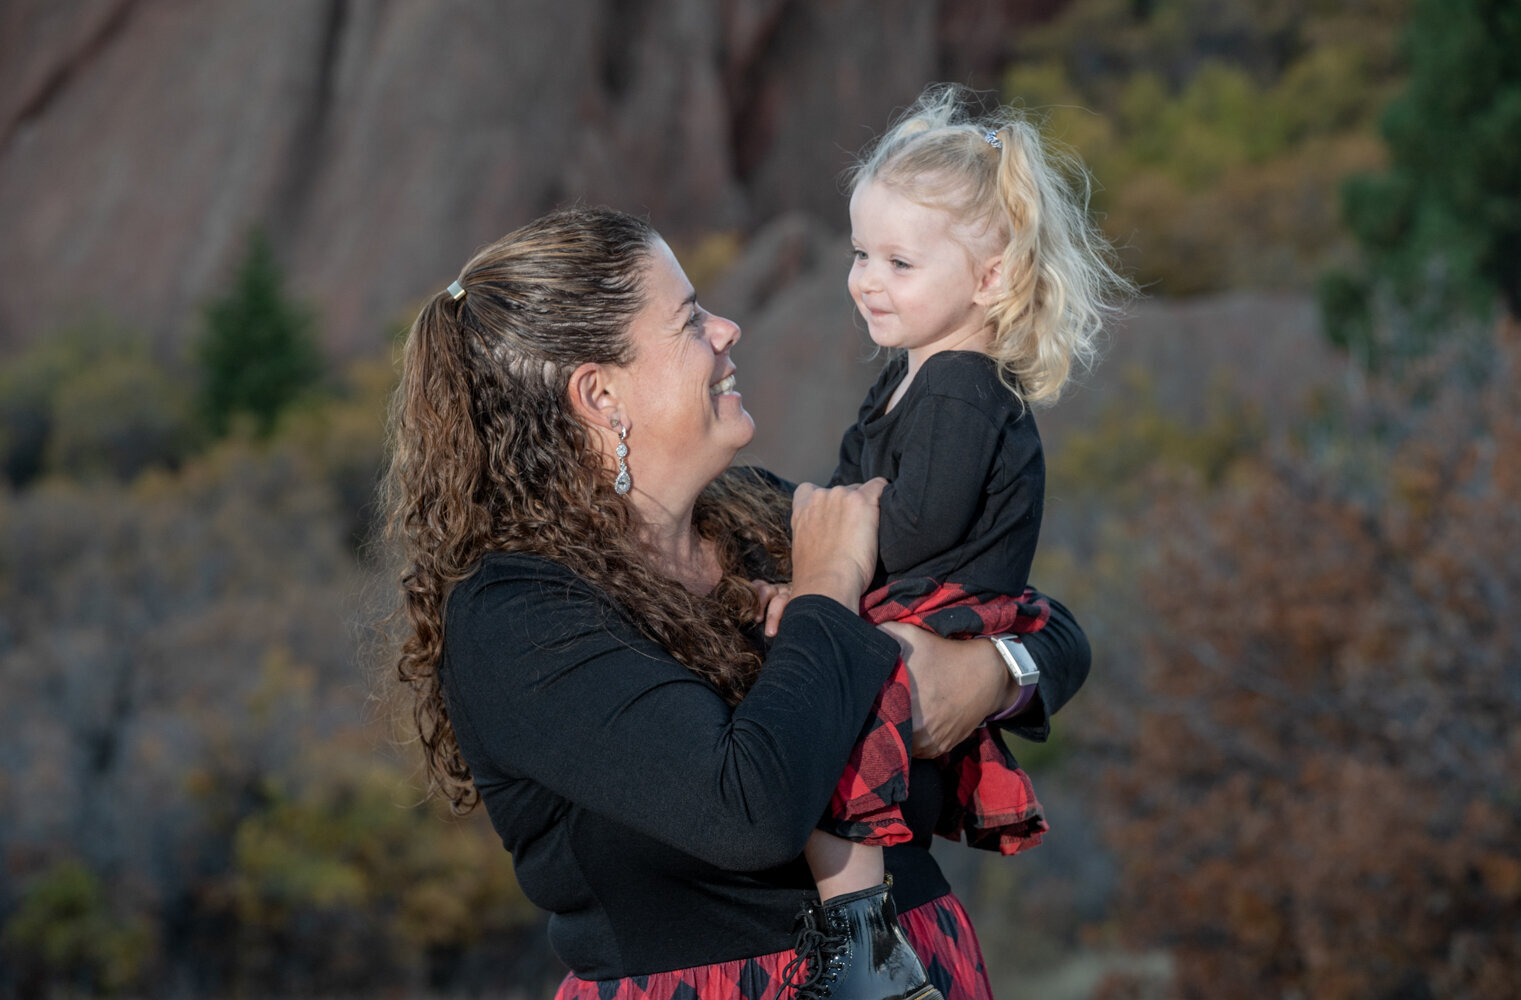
column 744, row 428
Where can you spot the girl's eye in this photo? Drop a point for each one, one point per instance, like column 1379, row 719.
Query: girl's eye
column 858, row 255
column 901, row 265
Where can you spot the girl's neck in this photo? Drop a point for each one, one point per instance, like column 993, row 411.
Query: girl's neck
column 980, row 341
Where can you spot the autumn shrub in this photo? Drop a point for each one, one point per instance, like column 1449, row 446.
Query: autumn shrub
column 117, row 419
column 341, row 880
column 1313, row 776
column 92, row 400
column 65, row 931
column 191, row 793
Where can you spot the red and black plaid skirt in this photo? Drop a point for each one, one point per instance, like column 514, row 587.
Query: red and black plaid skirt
column 940, row 932
column 990, row 800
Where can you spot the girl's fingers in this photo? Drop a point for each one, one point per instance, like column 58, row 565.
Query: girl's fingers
column 774, row 609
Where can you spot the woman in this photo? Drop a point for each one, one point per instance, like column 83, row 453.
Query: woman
column 584, row 654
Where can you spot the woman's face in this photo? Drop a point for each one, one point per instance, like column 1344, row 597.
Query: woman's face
column 678, row 399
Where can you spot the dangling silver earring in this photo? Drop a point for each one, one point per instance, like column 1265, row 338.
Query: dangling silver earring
column 623, row 483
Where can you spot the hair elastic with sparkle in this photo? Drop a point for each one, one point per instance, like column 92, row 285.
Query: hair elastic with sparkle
column 456, row 290
column 991, row 137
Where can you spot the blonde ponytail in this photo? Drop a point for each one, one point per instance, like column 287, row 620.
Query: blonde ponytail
column 1024, row 198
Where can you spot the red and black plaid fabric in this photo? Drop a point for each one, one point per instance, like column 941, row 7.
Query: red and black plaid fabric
column 940, row 932
column 991, row 800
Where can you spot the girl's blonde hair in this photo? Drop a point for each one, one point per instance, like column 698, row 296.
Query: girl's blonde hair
column 1029, row 197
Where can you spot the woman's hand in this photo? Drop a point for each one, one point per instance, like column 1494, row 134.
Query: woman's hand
column 954, row 684
column 834, row 540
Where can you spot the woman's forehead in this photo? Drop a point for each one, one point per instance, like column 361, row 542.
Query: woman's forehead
column 665, row 283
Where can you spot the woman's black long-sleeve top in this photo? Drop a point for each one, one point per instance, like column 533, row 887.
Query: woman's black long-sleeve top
column 660, row 827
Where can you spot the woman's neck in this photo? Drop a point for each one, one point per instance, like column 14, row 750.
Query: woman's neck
column 676, row 548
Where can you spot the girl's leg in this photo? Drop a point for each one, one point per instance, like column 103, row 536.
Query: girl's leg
column 842, row 866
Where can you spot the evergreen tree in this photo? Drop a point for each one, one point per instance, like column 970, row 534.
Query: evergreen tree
column 1440, row 230
column 258, row 352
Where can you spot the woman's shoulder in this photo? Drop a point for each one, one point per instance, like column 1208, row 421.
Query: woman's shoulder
column 530, row 604
column 509, row 567
column 530, row 583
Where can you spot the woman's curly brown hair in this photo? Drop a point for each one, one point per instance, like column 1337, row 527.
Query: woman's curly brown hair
column 488, row 456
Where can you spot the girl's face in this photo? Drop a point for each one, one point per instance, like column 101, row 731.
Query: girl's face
column 918, row 287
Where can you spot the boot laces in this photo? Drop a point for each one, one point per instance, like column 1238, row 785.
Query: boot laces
column 817, row 948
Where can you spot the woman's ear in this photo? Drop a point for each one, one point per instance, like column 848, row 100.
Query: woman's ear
column 593, row 394
column 989, row 280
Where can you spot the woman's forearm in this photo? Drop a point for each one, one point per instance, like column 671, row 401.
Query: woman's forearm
column 955, row 685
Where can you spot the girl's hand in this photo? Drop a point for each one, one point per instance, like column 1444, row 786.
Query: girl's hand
column 954, row 684
column 770, row 601
column 834, row 540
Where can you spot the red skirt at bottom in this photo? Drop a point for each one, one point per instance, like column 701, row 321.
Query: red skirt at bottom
column 940, row 932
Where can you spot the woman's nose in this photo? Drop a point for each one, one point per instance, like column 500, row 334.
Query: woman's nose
column 725, row 333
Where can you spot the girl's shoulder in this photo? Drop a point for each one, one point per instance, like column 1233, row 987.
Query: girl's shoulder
column 970, row 376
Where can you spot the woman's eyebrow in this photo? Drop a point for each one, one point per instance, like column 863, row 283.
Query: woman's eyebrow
column 686, row 304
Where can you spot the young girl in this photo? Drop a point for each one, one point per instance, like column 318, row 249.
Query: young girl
column 975, row 259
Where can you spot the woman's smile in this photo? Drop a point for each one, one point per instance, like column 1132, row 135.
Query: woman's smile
column 724, row 386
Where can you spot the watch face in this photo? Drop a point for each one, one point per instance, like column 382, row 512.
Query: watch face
column 1021, row 665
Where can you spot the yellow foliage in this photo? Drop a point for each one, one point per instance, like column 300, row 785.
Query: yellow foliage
column 1218, row 135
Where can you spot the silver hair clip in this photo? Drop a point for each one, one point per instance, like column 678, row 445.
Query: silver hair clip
column 991, row 137
column 456, row 290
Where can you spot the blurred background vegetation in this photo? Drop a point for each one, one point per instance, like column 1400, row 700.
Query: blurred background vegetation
column 1292, row 773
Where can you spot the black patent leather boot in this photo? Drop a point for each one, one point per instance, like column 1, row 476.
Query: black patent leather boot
column 856, row 951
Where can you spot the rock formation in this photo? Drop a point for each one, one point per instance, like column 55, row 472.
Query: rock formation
column 379, row 143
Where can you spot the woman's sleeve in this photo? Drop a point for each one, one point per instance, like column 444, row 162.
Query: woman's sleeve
column 546, row 681
column 1060, row 650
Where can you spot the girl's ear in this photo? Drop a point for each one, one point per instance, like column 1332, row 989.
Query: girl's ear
column 989, row 280
column 593, row 394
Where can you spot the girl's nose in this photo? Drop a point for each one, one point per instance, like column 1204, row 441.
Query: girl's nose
column 865, row 277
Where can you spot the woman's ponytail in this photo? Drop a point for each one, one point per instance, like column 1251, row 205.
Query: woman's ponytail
column 435, row 460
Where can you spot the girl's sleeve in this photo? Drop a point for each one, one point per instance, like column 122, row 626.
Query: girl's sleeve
column 1061, row 652
column 848, row 469
column 549, row 683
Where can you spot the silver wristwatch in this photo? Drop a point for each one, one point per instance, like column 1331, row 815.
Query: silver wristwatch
column 1021, row 664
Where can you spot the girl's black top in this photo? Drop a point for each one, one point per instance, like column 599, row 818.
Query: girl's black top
column 659, row 826
column 965, row 469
